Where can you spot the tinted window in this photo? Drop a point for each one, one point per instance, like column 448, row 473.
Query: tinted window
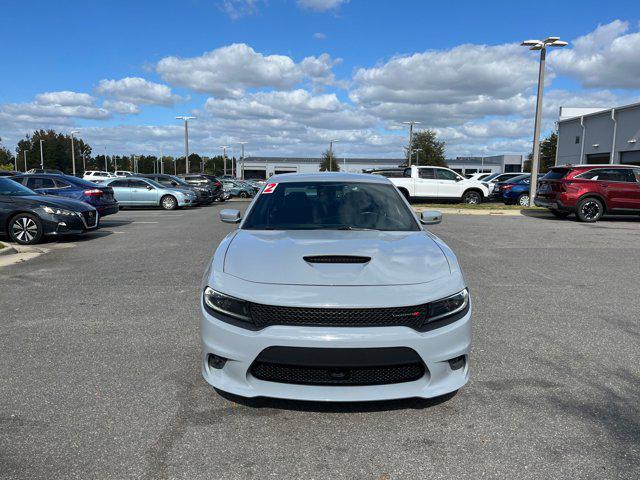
column 62, row 183
column 331, row 206
column 34, row 183
column 446, row 174
column 609, row 174
column 9, row 187
column 137, row 184
column 119, row 184
column 427, row 173
column 556, row 173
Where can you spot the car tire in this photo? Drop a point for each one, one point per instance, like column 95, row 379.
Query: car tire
column 523, row 200
column 25, row 229
column 472, row 197
column 559, row 213
column 169, row 202
column 589, row 210
column 243, row 195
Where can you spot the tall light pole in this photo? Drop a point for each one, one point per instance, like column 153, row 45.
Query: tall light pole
column 16, row 161
column 411, row 123
column 417, row 152
column 25, row 160
column 41, row 155
column 224, row 150
column 106, row 165
column 331, row 142
column 535, row 161
column 186, row 139
column 73, row 154
column 242, row 144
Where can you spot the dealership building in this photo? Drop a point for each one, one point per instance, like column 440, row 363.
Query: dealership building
column 599, row 136
column 264, row 167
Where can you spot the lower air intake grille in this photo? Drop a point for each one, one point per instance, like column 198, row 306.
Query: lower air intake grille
column 336, row 259
column 303, row 375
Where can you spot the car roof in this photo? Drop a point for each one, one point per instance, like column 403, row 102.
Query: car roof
column 598, row 165
column 328, row 177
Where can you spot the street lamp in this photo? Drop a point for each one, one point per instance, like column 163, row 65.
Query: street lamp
column 242, row 144
column 417, row 152
column 41, row 155
column 541, row 45
column 106, row 166
column 73, row 154
column 186, row 139
column 411, row 123
column 331, row 142
column 224, row 150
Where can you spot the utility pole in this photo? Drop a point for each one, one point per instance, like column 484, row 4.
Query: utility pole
column 186, row 139
column 242, row 144
column 73, row 154
column 535, row 161
column 411, row 123
column 25, row 160
column 106, row 165
column 41, row 155
column 331, row 142
column 84, row 163
column 224, row 156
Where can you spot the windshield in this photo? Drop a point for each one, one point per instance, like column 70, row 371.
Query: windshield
column 9, row 187
column 491, row 177
column 331, row 206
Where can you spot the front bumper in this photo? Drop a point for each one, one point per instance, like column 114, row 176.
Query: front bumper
column 241, row 347
column 187, row 201
column 68, row 224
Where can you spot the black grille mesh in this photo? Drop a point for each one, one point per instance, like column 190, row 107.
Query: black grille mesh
column 267, row 315
column 336, row 259
column 302, row 375
column 89, row 217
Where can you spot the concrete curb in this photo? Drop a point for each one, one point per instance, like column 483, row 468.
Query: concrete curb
column 8, row 250
column 469, row 211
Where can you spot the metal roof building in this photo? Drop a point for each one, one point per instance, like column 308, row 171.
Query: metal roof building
column 605, row 136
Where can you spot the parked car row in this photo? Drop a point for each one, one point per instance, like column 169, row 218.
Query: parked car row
column 36, row 204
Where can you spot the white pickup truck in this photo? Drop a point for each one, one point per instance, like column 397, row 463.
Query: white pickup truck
column 439, row 183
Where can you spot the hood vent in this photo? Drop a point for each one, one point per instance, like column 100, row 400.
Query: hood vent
column 336, row 259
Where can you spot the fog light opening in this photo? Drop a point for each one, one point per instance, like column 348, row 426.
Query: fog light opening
column 457, row 363
column 217, row 362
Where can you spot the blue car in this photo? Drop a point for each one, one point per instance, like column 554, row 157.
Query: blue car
column 514, row 191
column 98, row 196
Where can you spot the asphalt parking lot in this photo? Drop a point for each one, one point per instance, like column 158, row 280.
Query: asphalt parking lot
column 101, row 364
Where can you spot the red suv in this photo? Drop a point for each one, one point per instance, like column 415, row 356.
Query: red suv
column 590, row 191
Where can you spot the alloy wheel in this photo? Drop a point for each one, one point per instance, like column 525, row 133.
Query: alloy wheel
column 168, row 203
column 523, row 201
column 590, row 210
column 24, row 229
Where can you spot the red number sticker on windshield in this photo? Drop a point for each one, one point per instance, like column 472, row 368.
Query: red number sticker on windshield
column 269, row 188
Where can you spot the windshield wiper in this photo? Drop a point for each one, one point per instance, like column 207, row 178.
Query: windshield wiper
column 349, row 227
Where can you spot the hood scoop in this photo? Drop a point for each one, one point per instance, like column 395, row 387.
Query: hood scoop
column 336, row 259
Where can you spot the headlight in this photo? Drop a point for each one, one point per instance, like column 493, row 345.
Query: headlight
column 57, row 211
column 448, row 306
column 234, row 307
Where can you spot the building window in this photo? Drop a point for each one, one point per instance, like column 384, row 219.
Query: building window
column 577, row 138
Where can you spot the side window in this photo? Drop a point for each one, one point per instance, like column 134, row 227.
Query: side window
column 119, row 184
column 636, row 173
column 22, row 180
column 137, row 184
column 407, row 172
column 34, row 183
column 62, row 184
column 446, row 174
column 427, row 173
column 610, row 174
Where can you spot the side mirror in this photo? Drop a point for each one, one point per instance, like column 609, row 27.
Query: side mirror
column 149, row 187
column 430, row 217
column 229, row 215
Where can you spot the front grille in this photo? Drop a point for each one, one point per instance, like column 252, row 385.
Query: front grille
column 267, row 315
column 303, row 375
column 89, row 218
column 336, row 259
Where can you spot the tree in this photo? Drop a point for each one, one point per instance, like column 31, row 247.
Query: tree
column 329, row 162
column 547, row 154
column 427, row 148
column 6, row 159
column 56, row 150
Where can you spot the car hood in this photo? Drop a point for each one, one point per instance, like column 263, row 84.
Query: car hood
column 276, row 257
column 53, row 201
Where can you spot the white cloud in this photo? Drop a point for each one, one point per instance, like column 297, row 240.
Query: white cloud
column 608, row 57
column 64, row 98
column 37, row 110
column 321, row 5
column 227, row 71
column 137, row 90
column 319, row 36
column 121, row 107
column 239, row 8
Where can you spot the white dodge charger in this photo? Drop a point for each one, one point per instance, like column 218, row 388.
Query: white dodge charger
column 331, row 289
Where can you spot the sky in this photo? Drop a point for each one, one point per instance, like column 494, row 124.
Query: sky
column 287, row 76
